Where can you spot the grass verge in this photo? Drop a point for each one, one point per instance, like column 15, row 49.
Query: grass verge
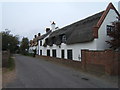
column 11, row 63
column 8, row 72
column 28, row 54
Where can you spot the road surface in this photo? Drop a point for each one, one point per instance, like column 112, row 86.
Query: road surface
column 35, row 73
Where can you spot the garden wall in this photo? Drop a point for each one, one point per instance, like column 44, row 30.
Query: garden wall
column 106, row 61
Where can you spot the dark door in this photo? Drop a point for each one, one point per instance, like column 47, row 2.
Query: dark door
column 62, row 53
column 69, row 54
column 54, row 53
column 48, row 52
column 40, row 52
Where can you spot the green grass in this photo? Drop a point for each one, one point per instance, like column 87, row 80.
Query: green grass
column 11, row 64
column 30, row 54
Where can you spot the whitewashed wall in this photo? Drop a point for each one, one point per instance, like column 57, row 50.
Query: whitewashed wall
column 102, row 32
column 76, row 49
column 39, row 47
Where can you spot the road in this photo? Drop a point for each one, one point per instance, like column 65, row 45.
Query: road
column 35, row 73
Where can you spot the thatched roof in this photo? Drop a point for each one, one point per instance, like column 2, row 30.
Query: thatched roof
column 44, row 35
column 78, row 32
column 34, row 42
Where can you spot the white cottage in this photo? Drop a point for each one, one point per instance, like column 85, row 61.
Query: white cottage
column 90, row 33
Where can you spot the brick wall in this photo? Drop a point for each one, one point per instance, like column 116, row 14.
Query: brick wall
column 67, row 62
column 107, row 61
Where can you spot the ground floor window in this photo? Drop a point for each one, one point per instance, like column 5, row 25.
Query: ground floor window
column 62, row 53
column 40, row 52
column 69, row 54
column 54, row 53
column 48, row 52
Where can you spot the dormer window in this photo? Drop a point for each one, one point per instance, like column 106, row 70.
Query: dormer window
column 63, row 38
column 109, row 29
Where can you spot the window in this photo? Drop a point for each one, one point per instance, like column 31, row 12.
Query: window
column 48, row 52
column 109, row 29
column 62, row 53
column 40, row 43
column 64, row 39
column 40, row 52
column 54, row 53
column 69, row 54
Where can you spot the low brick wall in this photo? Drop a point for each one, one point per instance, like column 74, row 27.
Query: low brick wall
column 97, row 62
column 5, row 58
column 66, row 62
column 107, row 61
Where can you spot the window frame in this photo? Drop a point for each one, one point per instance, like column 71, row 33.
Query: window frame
column 63, row 38
column 109, row 28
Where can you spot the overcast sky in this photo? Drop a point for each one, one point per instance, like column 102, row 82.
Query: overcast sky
column 30, row 18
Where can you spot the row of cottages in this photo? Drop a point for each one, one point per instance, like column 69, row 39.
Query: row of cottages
column 90, row 33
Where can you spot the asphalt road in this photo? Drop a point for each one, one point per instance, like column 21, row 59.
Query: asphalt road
column 36, row 73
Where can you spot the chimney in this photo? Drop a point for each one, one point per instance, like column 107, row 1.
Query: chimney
column 39, row 34
column 47, row 29
column 53, row 26
column 35, row 36
column 119, row 7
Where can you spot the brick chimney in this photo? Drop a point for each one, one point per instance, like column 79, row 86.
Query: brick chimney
column 53, row 26
column 47, row 29
column 35, row 36
column 39, row 34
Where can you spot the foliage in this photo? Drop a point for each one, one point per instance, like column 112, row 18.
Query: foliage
column 115, row 35
column 24, row 47
column 30, row 54
column 9, row 42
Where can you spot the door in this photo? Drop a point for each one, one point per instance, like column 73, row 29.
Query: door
column 69, row 54
column 40, row 52
column 48, row 52
column 62, row 53
column 54, row 53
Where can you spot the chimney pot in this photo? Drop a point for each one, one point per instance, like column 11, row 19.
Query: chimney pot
column 53, row 26
column 53, row 22
column 47, row 29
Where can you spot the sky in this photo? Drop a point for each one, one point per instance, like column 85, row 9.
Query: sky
column 29, row 18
